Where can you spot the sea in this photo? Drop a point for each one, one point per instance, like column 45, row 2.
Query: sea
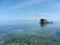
column 29, row 32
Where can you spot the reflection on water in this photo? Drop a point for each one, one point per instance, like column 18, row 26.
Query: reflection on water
column 43, row 24
column 30, row 34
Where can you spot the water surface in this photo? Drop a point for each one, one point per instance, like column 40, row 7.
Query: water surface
column 29, row 33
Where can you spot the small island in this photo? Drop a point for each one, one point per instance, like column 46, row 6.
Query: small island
column 44, row 21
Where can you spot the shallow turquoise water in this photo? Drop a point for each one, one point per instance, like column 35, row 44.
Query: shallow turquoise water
column 29, row 33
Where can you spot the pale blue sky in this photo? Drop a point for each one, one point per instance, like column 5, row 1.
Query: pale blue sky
column 29, row 9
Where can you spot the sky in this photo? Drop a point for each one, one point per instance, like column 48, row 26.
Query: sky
column 29, row 10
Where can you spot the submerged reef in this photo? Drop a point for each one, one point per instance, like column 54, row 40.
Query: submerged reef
column 24, row 38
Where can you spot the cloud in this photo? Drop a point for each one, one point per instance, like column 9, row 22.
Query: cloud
column 30, row 2
column 58, row 5
column 55, row 6
column 40, row 14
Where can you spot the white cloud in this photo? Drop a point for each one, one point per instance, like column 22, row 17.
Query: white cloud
column 48, row 15
column 56, row 6
column 30, row 2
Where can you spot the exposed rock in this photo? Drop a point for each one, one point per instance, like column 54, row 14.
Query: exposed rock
column 43, row 21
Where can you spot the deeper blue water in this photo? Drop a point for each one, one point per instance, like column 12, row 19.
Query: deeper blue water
column 29, row 33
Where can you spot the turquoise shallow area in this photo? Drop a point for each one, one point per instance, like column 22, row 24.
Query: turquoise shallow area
column 29, row 33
